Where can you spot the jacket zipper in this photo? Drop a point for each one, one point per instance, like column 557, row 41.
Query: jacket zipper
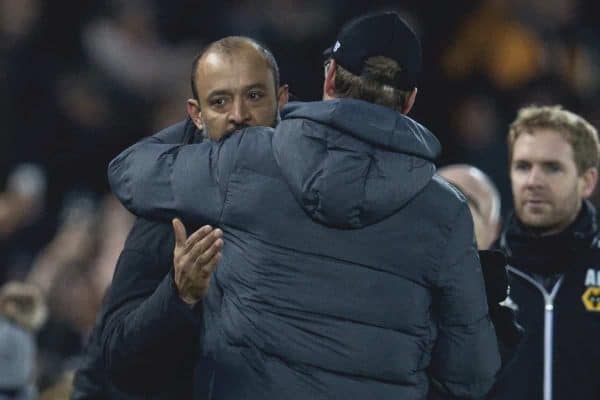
column 548, row 326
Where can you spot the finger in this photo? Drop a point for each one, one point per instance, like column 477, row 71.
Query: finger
column 180, row 233
column 208, row 254
column 198, row 236
column 204, row 244
column 212, row 264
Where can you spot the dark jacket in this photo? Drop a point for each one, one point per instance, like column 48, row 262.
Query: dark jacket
column 349, row 269
column 555, row 282
column 144, row 263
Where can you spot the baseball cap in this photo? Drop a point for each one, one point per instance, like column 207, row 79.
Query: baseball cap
column 379, row 34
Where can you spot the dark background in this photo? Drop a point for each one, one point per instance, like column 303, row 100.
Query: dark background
column 81, row 80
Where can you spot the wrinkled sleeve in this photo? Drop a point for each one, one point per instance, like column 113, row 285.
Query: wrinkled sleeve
column 140, row 335
column 466, row 357
column 145, row 324
column 164, row 181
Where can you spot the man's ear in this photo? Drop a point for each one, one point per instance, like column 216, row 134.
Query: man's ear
column 193, row 110
column 588, row 182
column 410, row 101
column 329, row 82
column 283, row 95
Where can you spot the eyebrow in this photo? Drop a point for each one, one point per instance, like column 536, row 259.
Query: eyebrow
column 221, row 92
column 542, row 161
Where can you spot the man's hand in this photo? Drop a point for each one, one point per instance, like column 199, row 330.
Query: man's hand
column 194, row 260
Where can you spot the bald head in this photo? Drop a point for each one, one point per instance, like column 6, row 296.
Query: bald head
column 234, row 82
column 232, row 46
column 483, row 198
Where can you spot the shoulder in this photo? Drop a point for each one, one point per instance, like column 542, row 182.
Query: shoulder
column 255, row 136
column 250, row 145
column 449, row 215
column 448, row 190
column 181, row 132
column 444, row 199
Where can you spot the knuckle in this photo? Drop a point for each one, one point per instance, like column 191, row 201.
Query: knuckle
column 204, row 274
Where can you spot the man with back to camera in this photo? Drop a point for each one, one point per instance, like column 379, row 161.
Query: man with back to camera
column 552, row 244
column 302, row 305
column 227, row 95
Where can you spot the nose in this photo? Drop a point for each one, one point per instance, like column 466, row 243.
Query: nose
column 535, row 176
column 239, row 114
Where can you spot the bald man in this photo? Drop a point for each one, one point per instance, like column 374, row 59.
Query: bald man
column 483, row 199
column 161, row 273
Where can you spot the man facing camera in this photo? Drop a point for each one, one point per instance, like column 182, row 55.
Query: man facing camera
column 551, row 241
column 162, row 272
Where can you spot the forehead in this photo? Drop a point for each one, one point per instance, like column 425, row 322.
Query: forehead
column 233, row 71
column 543, row 145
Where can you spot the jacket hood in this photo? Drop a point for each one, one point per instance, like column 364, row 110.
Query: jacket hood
column 350, row 163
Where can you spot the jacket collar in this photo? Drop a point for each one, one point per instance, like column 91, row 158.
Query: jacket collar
column 552, row 254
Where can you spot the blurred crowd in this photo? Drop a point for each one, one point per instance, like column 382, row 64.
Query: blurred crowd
column 81, row 80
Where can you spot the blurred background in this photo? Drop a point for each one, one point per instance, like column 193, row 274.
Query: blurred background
column 80, row 80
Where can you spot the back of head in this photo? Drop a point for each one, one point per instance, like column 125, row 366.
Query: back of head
column 378, row 59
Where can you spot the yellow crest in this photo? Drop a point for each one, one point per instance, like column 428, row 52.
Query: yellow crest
column 591, row 298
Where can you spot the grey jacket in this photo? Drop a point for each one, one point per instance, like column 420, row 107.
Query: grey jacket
column 349, row 268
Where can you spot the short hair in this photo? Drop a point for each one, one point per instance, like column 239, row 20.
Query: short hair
column 375, row 84
column 578, row 132
column 229, row 45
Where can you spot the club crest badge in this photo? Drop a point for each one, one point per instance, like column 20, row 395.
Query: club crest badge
column 591, row 295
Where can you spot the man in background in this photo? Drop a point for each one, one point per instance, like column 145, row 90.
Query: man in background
column 551, row 241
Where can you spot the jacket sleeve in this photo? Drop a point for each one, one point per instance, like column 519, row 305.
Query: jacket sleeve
column 149, row 337
column 157, row 180
column 504, row 318
column 465, row 359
